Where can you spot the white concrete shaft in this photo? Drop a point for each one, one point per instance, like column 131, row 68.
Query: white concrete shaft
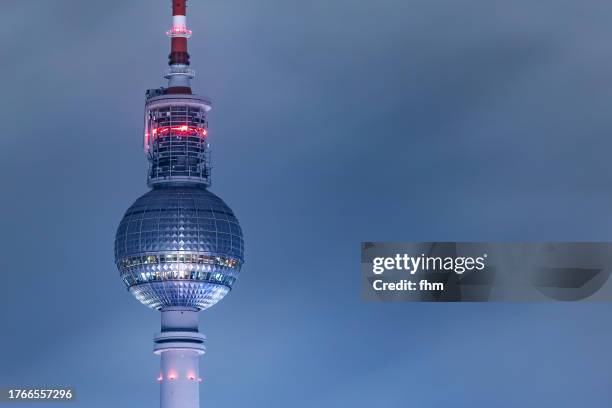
column 180, row 387
column 179, row 345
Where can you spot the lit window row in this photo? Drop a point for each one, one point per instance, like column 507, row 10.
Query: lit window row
column 199, row 276
column 179, row 258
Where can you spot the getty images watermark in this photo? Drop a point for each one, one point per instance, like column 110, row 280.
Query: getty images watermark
column 414, row 264
column 442, row 271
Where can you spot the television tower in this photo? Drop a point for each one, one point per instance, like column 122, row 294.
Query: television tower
column 179, row 247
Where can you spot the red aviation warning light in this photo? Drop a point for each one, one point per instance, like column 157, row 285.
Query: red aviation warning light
column 183, row 130
column 179, row 31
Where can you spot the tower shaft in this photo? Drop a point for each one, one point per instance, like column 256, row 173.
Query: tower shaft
column 179, row 345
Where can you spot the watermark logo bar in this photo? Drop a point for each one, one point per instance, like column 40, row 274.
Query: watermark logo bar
column 482, row 272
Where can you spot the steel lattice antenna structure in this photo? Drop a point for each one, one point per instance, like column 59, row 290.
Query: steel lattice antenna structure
column 179, row 247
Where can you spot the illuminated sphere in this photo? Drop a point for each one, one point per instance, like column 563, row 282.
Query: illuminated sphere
column 179, row 246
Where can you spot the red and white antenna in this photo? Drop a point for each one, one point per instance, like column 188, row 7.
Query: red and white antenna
column 179, row 74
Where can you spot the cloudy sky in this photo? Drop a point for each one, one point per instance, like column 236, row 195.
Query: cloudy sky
column 335, row 122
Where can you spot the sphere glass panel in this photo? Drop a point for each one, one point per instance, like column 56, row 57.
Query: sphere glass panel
column 179, row 246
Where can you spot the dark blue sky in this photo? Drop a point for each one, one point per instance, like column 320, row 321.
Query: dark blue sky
column 335, row 122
